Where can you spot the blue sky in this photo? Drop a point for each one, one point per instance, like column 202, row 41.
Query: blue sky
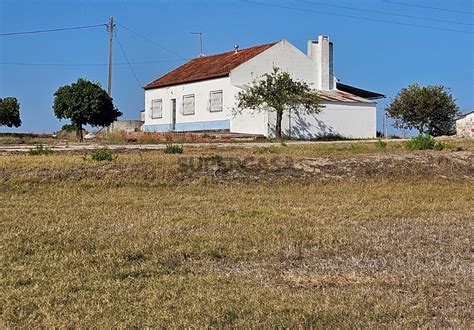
column 379, row 56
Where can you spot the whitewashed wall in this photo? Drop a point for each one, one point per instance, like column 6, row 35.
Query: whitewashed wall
column 283, row 55
column 465, row 126
column 202, row 117
column 352, row 120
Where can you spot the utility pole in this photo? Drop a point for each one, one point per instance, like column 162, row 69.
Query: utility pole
column 200, row 41
column 384, row 123
column 111, row 38
column 385, row 126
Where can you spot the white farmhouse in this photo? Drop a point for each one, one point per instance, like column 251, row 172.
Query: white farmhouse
column 200, row 95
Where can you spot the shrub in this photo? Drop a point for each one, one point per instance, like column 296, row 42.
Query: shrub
column 173, row 149
column 39, row 150
column 381, row 144
column 424, row 142
column 102, row 155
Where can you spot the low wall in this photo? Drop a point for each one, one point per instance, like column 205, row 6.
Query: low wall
column 125, row 126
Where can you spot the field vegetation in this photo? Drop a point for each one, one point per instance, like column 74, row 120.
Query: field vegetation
column 330, row 235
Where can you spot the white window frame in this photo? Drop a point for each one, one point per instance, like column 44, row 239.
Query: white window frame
column 184, row 105
column 159, row 108
column 221, row 92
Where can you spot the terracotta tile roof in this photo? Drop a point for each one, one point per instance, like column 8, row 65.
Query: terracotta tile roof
column 208, row 67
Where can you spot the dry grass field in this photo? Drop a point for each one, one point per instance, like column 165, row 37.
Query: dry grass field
column 333, row 235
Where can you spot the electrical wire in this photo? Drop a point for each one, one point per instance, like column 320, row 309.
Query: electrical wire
column 151, row 41
column 52, row 30
column 84, row 64
column 387, row 13
column 429, row 7
column 128, row 62
column 355, row 17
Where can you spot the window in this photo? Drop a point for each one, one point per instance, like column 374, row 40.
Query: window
column 156, row 109
column 188, row 104
column 215, row 101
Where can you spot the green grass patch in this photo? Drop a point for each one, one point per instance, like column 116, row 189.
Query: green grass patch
column 381, row 144
column 103, row 155
column 173, row 149
column 40, row 150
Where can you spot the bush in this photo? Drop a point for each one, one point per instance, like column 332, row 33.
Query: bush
column 39, row 150
column 173, row 149
column 381, row 144
column 102, row 155
column 424, row 142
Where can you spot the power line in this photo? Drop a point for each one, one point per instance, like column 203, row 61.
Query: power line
column 151, row 41
column 86, row 64
column 428, row 7
column 387, row 13
column 356, row 17
column 128, row 62
column 52, row 30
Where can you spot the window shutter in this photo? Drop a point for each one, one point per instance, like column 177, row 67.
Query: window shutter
column 156, row 108
column 216, row 102
column 160, row 108
column 188, row 105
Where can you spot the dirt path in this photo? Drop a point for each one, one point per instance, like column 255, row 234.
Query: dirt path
column 64, row 146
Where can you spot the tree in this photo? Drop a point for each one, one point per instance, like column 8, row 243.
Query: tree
column 431, row 109
column 10, row 112
column 84, row 103
column 278, row 92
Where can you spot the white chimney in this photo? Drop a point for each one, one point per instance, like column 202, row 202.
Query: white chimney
column 321, row 53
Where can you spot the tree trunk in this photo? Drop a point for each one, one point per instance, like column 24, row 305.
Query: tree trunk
column 79, row 133
column 421, row 129
column 278, row 125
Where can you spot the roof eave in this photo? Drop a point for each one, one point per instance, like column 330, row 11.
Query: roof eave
column 149, row 87
column 363, row 93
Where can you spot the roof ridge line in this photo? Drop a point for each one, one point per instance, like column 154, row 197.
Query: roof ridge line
column 240, row 50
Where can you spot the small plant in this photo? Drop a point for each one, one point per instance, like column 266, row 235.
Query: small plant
column 424, row 142
column 173, row 149
column 39, row 150
column 103, row 155
column 381, row 144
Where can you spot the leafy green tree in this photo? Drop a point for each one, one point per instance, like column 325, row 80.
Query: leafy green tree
column 278, row 92
column 10, row 112
column 84, row 103
column 431, row 109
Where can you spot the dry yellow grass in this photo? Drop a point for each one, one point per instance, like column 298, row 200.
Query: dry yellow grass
column 137, row 242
